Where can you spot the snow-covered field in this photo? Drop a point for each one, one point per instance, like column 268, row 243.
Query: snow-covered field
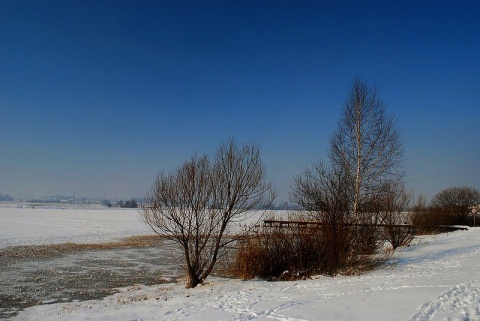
column 437, row 278
column 24, row 224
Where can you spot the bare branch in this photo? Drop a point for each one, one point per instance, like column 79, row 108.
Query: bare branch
column 197, row 204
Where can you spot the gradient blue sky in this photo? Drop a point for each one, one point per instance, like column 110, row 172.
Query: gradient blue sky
column 96, row 97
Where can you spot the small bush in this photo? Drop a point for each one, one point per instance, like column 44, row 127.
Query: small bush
column 280, row 254
column 399, row 235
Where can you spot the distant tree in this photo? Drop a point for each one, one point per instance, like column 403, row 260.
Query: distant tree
column 456, row 203
column 129, row 204
column 198, row 205
column 106, row 203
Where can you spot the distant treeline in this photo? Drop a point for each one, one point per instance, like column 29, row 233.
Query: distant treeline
column 6, row 198
column 123, row 204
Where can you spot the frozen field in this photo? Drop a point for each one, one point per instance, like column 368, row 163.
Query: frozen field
column 437, row 278
column 23, row 225
column 32, row 272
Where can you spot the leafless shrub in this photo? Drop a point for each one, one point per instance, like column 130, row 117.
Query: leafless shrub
column 324, row 193
column 427, row 219
column 299, row 251
column 280, row 254
column 454, row 205
column 397, row 228
column 202, row 203
column 419, row 215
column 363, row 262
column 350, row 197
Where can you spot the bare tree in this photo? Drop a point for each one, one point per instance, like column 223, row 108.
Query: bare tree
column 394, row 216
column 456, row 202
column 323, row 193
column 197, row 206
column 349, row 196
column 366, row 145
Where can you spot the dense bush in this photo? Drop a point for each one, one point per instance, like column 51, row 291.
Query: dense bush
column 301, row 251
column 280, row 253
column 452, row 206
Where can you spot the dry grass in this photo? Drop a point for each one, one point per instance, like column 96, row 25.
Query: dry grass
column 299, row 252
column 49, row 250
column 280, row 254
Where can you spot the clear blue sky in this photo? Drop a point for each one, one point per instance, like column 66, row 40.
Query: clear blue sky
column 96, row 97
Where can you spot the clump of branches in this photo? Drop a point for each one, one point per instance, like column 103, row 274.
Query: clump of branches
column 356, row 201
column 323, row 193
column 352, row 243
column 302, row 250
column 423, row 217
column 451, row 206
column 393, row 213
column 280, row 254
column 455, row 204
column 202, row 206
column 360, row 191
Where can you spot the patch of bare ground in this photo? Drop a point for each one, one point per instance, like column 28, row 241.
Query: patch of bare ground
column 49, row 250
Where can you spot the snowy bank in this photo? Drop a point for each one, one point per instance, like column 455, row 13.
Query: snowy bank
column 437, row 278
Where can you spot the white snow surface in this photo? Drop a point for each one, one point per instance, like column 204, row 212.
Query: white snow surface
column 436, row 278
column 26, row 224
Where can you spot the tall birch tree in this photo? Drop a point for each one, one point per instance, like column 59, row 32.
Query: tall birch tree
column 366, row 146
